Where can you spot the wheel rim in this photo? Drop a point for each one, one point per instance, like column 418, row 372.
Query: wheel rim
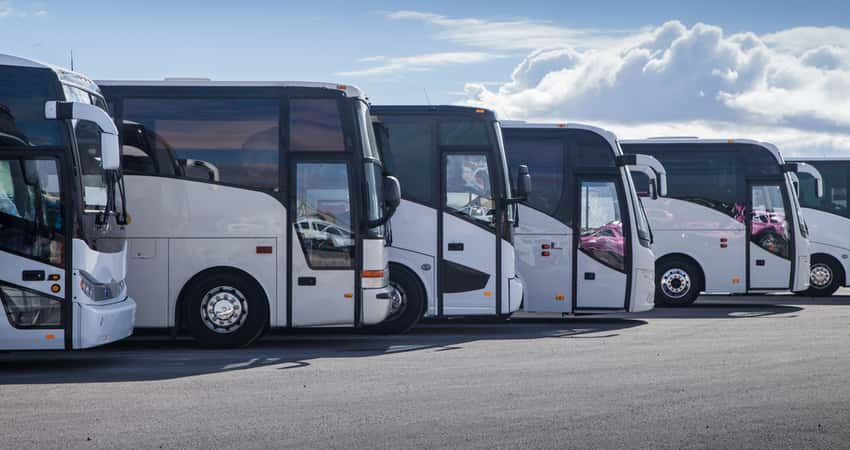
column 675, row 283
column 398, row 301
column 224, row 309
column 821, row 276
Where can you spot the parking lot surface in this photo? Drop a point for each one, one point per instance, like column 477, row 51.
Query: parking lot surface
column 768, row 371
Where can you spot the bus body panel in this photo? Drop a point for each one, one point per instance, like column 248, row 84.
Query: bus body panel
column 643, row 280
column 605, row 290
column 328, row 300
column 547, row 289
column 724, row 266
column 198, row 234
column 512, row 283
column 829, row 236
column 12, row 338
column 469, row 287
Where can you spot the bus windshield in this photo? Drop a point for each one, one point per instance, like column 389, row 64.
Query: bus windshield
column 87, row 135
column 507, row 176
column 795, row 203
column 372, row 168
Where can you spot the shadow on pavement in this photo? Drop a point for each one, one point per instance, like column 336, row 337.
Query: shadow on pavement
column 160, row 358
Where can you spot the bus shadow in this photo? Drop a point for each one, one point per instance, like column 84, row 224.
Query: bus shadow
column 160, row 358
column 725, row 310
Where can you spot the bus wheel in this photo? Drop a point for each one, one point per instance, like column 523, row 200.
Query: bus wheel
column 225, row 309
column 824, row 278
column 678, row 283
column 407, row 307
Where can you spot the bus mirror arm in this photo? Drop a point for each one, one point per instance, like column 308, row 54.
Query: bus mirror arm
column 651, row 164
column 110, row 153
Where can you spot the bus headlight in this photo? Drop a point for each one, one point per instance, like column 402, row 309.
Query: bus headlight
column 99, row 291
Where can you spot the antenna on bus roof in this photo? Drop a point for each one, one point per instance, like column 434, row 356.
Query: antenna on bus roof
column 427, row 99
column 72, row 59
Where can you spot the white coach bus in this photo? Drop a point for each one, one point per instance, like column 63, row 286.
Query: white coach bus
column 60, row 187
column 729, row 223
column 823, row 196
column 452, row 248
column 258, row 205
column 583, row 243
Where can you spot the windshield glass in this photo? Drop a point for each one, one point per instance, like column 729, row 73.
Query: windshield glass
column 795, row 203
column 367, row 133
column 87, row 135
column 644, row 230
column 506, row 174
column 372, row 167
column 23, row 93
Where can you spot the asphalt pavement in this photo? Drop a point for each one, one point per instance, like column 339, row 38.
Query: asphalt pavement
column 733, row 372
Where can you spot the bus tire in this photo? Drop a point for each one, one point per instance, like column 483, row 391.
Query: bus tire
column 677, row 282
column 412, row 303
column 825, row 278
column 225, row 309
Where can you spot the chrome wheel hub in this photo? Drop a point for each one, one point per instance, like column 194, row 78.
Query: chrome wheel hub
column 675, row 283
column 821, row 275
column 224, row 309
column 398, row 300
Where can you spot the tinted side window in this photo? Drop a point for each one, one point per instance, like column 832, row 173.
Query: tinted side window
column 464, row 132
column 705, row 176
column 23, row 92
column 591, row 150
column 408, row 154
column 758, row 161
column 228, row 140
column 315, row 125
column 835, row 184
column 545, row 161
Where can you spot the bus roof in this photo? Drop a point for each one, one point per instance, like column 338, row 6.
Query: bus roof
column 607, row 134
column 350, row 91
column 434, row 109
column 65, row 76
column 773, row 149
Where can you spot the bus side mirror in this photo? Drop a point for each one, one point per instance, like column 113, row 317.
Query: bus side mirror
column 523, row 183
column 392, row 194
column 110, row 153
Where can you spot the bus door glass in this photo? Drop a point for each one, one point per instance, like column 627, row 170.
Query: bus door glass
column 770, row 238
column 601, row 242
column 468, row 269
column 33, row 261
column 324, row 242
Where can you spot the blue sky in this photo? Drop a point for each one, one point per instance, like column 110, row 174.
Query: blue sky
column 746, row 68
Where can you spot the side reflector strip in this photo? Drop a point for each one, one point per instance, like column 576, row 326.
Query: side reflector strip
column 264, row 250
column 373, row 274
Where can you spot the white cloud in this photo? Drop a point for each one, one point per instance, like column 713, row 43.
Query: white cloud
column 6, row 9
column 513, row 34
column 417, row 63
column 793, row 85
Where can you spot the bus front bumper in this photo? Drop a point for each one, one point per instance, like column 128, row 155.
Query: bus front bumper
column 376, row 304
column 102, row 324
